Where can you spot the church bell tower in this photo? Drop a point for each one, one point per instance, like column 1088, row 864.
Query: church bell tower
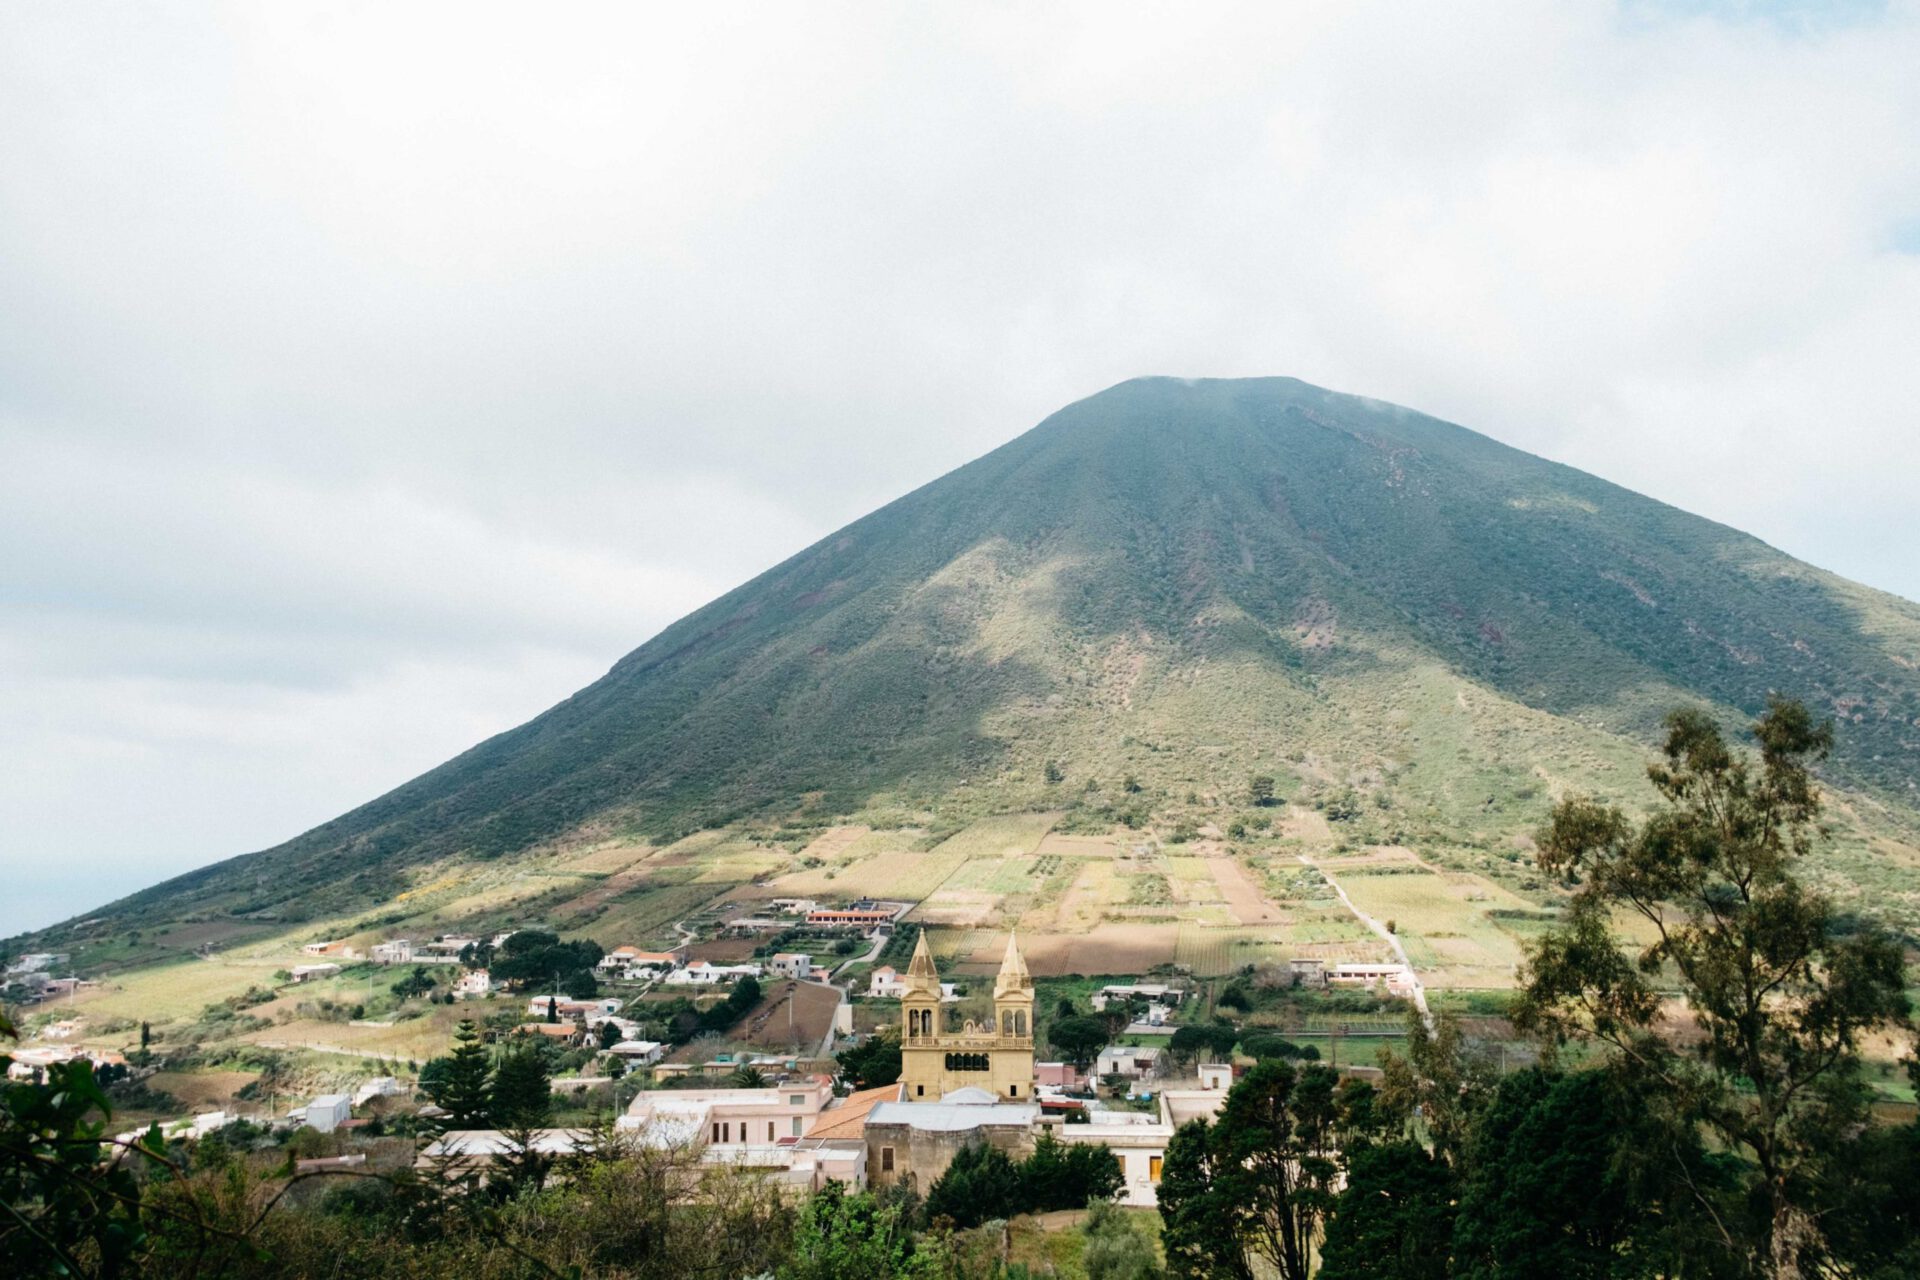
column 994, row 1057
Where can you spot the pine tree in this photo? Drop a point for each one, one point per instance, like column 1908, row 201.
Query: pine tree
column 522, row 1093
column 462, row 1085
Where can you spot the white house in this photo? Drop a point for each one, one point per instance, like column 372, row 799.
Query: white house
column 445, row 949
column 885, row 983
column 393, row 951
column 633, row 962
column 1135, row 1062
column 1216, row 1075
column 474, row 984
column 328, row 1111
column 1141, row 1148
column 701, row 973
column 1397, row 977
column 791, row 964
column 639, row 1053
column 308, row 972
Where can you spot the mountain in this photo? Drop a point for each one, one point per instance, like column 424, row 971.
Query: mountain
column 1185, row 582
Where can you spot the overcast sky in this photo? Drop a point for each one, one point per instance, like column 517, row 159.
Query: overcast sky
column 373, row 376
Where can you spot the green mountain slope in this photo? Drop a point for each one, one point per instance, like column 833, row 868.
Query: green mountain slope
column 1186, row 582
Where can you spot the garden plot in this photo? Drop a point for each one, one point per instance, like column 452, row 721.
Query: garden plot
column 834, row 844
column 1079, row 846
column 1443, row 920
column 902, row 875
column 1213, row 951
column 645, row 918
column 1082, row 903
column 1007, row 836
column 1110, row 947
column 1245, row 900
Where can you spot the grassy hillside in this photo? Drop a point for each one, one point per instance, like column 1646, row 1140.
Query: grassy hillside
column 1158, row 592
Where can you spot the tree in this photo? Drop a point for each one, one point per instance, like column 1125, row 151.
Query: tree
column 873, row 1062
column 1117, row 1248
column 1189, row 1042
column 1873, row 1217
column 609, row 1036
column 1079, row 1039
column 1236, row 997
column 848, row 1235
column 1060, row 1175
column 67, row 1213
column 982, row 1183
column 1573, row 1176
column 1260, row 789
column 1054, row 773
column 1200, row 1226
column 417, row 983
column 462, row 1084
column 1279, row 1141
column 1394, row 1218
column 522, row 1093
column 746, row 1077
column 1249, row 1192
column 537, row 957
column 1443, row 1081
column 1779, row 987
column 1269, row 1044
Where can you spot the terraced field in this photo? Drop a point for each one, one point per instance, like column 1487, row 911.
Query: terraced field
column 1445, row 920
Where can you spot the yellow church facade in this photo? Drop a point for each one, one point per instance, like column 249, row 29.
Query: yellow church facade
column 995, row 1055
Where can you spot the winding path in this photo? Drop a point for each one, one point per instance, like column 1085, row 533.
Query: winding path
column 1413, row 976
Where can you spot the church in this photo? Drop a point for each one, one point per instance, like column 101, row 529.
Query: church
column 994, row 1056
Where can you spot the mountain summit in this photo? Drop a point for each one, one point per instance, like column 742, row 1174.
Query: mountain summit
column 1156, row 592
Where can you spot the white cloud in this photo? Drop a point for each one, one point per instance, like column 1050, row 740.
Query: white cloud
column 431, row 356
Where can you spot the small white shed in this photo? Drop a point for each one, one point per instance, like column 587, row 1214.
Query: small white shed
column 328, row 1111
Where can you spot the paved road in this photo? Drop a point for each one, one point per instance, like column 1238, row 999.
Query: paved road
column 1419, row 991
column 879, row 941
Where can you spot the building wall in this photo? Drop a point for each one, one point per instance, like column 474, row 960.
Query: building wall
column 1007, row 1075
column 921, row 1155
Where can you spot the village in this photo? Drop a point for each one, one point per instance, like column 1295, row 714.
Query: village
column 744, row 1059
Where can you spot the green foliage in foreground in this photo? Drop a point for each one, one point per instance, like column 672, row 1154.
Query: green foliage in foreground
column 1782, row 988
column 1744, row 1149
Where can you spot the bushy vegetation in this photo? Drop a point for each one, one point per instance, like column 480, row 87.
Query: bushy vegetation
column 536, row 958
column 984, row 1183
